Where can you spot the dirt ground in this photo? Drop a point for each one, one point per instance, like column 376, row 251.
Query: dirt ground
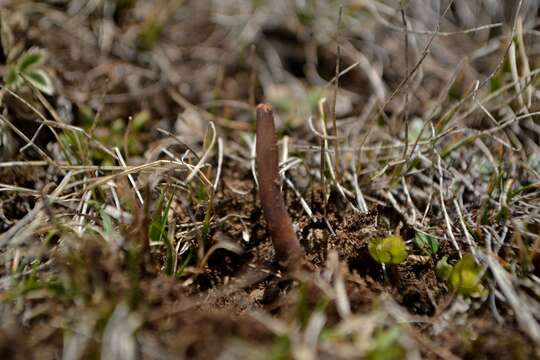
column 130, row 220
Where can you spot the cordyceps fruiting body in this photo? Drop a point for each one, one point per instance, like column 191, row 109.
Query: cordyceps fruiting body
column 284, row 240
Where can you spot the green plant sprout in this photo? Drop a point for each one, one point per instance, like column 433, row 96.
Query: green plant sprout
column 464, row 278
column 427, row 243
column 158, row 232
column 120, row 132
column 28, row 68
column 390, row 250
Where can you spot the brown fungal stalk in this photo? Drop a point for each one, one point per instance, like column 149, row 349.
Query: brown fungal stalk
column 284, row 238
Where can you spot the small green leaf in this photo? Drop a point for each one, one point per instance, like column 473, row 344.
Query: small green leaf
column 427, row 243
column 390, row 250
column 30, row 60
column 466, row 278
column 12, row 78
column 443, row 269
column 40, row 80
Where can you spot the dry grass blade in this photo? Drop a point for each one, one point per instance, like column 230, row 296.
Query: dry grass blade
column 428, row 146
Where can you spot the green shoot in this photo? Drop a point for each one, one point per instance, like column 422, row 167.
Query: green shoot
column 427, row 243
column 389, row 250
column 464, row 278
column 28, row 69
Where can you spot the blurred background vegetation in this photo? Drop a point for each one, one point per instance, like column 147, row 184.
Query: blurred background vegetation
column 409, row 139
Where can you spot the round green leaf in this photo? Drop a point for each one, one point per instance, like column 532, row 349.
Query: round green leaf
column 390, row 250
column 466, row 278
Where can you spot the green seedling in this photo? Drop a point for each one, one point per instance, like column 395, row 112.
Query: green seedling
column 116, row 133
column 427, row 243
column 28, row 69
column 443, row 269
column 464, row 278
column 390, row 250
column 158, row 227
column 23, row 285
column 160, row 231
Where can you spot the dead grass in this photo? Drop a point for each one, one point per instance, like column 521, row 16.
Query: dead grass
column 129, row 214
